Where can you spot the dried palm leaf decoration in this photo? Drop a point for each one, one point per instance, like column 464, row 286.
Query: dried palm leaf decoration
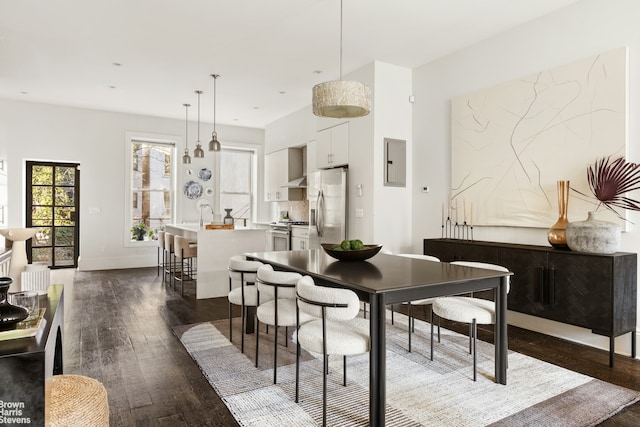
column 609, row 181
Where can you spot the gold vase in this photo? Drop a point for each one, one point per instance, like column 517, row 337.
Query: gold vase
column 557, row 234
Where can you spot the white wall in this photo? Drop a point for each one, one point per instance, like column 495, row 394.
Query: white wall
column 392, row 208
column 584, row 29
column 96, row 140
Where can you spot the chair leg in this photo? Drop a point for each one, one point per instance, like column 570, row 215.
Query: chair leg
column 286, row 336
column 410, row 311
column 475, row 350
column 344, row 369
column 181, row 277
column 470, row 337
column 275, row 353
column 242, row 323
column 297, row 370
column 391, row 313
column 257, row 338
column 324, row 390
column 172, row 271
column 432, row 335
column 164, row 266
column 365, row 310
column 230, row 328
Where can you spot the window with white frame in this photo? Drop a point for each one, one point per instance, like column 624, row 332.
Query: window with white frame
column 237, row 182
column 151, row 182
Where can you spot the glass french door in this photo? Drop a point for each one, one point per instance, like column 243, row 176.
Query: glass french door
column 53, row 204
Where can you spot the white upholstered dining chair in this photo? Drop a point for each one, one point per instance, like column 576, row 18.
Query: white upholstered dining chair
column 335, row 331
column 474, row 311
column 242, row 291
column 276, row 301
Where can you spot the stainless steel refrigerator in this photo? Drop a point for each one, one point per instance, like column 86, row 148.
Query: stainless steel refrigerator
column 327, row 194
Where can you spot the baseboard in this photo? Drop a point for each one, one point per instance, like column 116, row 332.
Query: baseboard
column 572, row 333
column 116, row 263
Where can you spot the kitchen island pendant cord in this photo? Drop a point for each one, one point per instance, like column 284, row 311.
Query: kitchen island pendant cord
column 198, row 151
column 214, row 144
column 186, row 159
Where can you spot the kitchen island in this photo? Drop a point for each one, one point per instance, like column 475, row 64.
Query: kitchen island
column 215, row 247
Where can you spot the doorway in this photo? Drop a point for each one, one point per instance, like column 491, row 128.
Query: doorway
column 53, row 206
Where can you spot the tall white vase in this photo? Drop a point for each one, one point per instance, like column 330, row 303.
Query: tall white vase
column 18, row 259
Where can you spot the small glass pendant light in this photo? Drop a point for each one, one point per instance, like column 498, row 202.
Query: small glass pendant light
column 186, row 159
column 214, row 144
column 198, row 152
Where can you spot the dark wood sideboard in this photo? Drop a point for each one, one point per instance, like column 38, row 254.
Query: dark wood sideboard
column 593, row 291
column 26, row 363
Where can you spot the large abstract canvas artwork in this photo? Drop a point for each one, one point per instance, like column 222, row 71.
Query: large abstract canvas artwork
column 511, row 143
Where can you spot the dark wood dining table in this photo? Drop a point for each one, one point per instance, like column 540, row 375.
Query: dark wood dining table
column 388, row 279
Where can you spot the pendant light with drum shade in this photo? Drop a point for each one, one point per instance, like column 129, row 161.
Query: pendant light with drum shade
column 198, row 151
column 341, row 98
column 186, row 159
column 214, row 144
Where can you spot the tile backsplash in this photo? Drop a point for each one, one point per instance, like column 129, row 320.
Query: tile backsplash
column 298, row 211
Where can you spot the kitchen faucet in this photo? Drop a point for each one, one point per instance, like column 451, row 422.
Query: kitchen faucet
column 207, row 205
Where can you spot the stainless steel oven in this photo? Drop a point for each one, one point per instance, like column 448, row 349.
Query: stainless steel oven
column 279, row 237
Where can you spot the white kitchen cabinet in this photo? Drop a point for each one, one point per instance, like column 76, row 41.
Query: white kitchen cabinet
column 299, row 238
column 281, row 167
column 332, row 147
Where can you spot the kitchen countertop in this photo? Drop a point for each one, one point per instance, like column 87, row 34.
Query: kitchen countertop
column 196, row 227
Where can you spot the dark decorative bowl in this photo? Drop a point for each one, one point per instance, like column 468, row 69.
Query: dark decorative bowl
column 355, row 255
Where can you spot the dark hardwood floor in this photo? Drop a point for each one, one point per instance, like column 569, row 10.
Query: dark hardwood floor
column 118, row 330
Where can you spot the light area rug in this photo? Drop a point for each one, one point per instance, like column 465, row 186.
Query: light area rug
column 420, row 392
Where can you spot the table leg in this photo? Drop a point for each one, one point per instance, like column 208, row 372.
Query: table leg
column 377, row 362
column 500, row 332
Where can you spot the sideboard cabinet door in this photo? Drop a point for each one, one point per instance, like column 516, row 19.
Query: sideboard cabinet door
column 580, row 290
column 529, row 288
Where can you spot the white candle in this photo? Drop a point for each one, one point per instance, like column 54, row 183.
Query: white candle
column 457, row 210
column 464, row 206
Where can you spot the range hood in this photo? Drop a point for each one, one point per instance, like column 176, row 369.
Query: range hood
column 297, row 183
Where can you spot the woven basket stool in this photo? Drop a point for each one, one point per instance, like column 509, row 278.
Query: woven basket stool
column 77, row 400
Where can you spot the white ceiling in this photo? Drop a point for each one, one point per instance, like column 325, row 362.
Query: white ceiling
column 266, row 51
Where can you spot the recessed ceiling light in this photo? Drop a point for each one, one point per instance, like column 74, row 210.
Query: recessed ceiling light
column 116, row 64
column 24, row 93
column 256, row 108
column 235, row 120
column 112, row 87
column 317, row 71
column 282, row 92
